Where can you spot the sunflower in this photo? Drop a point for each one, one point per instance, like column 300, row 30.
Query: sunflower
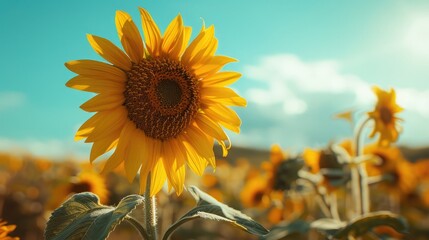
column 384, row 115
column 388, row 158
column 254, row 193
column 85, row 182
column 318, row 161
column 160, row 104
column 282, row 171
column 5, row 230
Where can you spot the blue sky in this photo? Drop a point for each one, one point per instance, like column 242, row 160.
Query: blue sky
column 302, row 62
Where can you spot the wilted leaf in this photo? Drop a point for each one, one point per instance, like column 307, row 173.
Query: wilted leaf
column 365, row 223
column 328, row 226
column 287, row 229
column 83, row 217
column 209, row 208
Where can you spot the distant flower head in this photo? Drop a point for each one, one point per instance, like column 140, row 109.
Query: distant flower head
column 384, row 116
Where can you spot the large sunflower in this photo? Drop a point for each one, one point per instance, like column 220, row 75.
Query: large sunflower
column 160, row 104
column 384, row 115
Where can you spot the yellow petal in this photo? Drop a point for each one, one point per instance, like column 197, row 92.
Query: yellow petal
column 170, row 164
column 179, row 151
column 186, row 36
column 158, row 177
column 151, row 33
column 221, row 79
column 120, row 153
column 149, row 161
column 88, row 126
column 103, row 102
column 204, row 54
column 173, row 37
column 112, row 121
column 110, row 52
column 201, row 143
column 103, row 146
column 212, row 65
column 97, row 70
column 200, row 43
column 180, row 178
column 225, row 116
column 135, row 154
column 94, row 85
column 129, row 36
column 195, row 162
column 222, row 95
column 210, row 127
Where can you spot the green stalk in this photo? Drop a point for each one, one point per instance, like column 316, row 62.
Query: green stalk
column 150, row 211
column 359, row 174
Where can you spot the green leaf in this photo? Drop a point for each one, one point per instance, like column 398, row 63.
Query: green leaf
column 287, row 229
column 209, row 208
column 365, row 223
column 83, row 217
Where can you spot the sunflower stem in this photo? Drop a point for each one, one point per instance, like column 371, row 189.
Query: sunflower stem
column 136, row 224
column 359, row 175
column 150, row 211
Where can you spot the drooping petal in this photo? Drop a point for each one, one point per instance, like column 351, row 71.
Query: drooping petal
column 180, row 179
column 136, row 152
column 110, row 52
column 210, row 127
column 102, row 146
column 225, row 116
column 121, row 150
column 129, row 35
column 88, row 126
column 98, row 70
column 170, row 164
column 112, row 121
column 201, row 143
column 158, row 177
column 194, row 160
column 151, row 33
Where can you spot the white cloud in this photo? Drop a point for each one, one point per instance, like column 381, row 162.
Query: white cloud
column 53, row 148
column 11, row 100
column 287, row 76
column 285, row 86
column 288, row 79
column 414, row 100
column 416, row 37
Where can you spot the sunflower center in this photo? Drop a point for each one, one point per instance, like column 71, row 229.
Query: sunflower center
column 161, row 96
column 386, row 115
column 169, row 92
column 80, row 187
column 257, row 198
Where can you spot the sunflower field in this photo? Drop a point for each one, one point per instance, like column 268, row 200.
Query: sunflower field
column 161, row 163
